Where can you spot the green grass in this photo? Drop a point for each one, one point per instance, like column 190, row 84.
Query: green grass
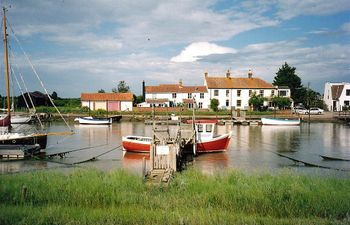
column 95, row 197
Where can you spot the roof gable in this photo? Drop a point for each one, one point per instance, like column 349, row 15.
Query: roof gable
column 336, row 91
column 107, row 96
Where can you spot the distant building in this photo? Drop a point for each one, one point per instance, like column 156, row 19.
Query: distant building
column 171, row 95
column 36, row 97
column 336, row 95
column 107, row 101
column 235, row 92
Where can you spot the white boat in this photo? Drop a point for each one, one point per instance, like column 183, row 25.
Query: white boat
column 93, row 120
column 20, row 119
column 280, row 122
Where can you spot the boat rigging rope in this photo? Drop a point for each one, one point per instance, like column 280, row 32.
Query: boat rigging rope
column 37, row 75
column 29, row 96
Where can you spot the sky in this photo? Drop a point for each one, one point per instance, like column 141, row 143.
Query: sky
column 80, row 46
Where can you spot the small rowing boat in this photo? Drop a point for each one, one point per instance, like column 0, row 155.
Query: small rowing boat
column 279, row 121
column 93, row 120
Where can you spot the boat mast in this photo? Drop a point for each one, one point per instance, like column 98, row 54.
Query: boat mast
column 6, row 66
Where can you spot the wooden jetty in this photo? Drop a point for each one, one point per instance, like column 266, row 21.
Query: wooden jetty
column 343, row 116
column 169, row 151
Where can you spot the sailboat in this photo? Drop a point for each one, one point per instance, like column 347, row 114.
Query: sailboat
column 9, row 139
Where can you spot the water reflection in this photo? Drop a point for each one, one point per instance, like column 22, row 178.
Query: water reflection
column 251, row 147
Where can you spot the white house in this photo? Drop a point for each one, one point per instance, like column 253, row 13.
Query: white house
column 336, row 95
column 107, row 101
column 170, row 95
column 235, row 92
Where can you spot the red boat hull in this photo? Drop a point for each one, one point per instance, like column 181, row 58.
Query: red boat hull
column 216, row 145
column 136, row 147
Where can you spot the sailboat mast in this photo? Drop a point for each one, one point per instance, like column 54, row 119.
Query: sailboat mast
column 6, row 66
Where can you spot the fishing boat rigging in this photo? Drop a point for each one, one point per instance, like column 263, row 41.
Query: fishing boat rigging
column 8, row 136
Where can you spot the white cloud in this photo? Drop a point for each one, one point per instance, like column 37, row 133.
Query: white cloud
column 346, row 27
column 195, row 51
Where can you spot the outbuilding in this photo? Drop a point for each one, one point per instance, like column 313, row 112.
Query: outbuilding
column 107, row 101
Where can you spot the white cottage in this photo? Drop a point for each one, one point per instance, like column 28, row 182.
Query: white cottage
column 235, row 92
column 336, row 95
column 171, row 95
column 107, row 101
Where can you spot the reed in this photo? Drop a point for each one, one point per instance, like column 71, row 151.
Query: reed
column 95, row 197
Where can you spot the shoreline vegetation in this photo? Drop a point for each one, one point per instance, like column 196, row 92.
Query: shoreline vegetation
column 73, row 112
column 89, row 196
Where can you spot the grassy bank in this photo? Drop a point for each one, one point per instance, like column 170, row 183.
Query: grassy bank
column 94, row 197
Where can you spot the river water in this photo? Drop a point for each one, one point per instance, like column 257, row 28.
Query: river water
column 252, row 149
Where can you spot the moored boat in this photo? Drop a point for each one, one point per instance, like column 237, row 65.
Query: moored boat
column 279, row 121
column 94, row 121
column 206, row 140
column 136, row 143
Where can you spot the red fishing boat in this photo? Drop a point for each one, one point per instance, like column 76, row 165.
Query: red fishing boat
column 206, row 139
column 136, row 143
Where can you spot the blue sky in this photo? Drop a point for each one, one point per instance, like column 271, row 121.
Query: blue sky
column 86, row 45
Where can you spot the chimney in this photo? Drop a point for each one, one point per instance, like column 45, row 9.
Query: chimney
column 250, row 73
column 143, row 91
column 228, row 73
column 180, row 82
column 206, row 74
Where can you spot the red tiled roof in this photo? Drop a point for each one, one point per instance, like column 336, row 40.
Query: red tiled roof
column 106, row 96
column 175, row 88
column 187, row 100
column 336, row 91
column 237, row 82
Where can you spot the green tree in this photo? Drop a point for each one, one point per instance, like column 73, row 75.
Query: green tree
column 138, row 99
column 123, row 87
column 281, row 102
column 256, row 101
column 286, row 76
column 54, row 95
column 101, row 91
column 214, row 103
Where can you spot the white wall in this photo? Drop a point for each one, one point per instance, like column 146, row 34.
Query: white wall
column 233, row 97
column 179, row 98
column 327, row 96
column 126, row 106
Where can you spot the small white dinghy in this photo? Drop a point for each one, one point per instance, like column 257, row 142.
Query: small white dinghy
column 280, row 122
column 93, row 120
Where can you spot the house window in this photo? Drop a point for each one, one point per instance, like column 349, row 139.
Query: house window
column 189, row 95
column 216, row 92
column 347, row 103
column 227, row 93
column 190, row 105
column 227, row 102
column 174, row 95
column 239, row 102
column 347, row 92
column 200, row 105
column 250, row 93
column 282, row 93
column 272, row 92
column 201, row 95
column 238, row 93
column 261, row 92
